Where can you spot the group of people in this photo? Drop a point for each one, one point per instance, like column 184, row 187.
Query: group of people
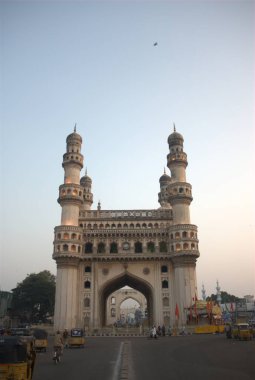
column 159, row 331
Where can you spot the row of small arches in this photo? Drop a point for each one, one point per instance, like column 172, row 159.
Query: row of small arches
column 121, row 225
column 184, row 235
column 67, row 236
column 180, row 190
column 71, row 191
column 138, row 247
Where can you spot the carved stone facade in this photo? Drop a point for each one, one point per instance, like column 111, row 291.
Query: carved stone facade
column 100, row 251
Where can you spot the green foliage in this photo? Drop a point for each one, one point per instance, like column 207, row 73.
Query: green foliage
column 225, row 298
column 33, row 298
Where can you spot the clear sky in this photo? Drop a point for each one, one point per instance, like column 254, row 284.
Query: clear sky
column 94, row 64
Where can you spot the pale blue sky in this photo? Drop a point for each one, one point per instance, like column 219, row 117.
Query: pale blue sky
column 94, row 63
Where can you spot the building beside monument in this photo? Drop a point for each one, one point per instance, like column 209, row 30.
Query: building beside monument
column 98, row 252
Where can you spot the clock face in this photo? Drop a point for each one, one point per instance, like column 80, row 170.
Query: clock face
column 126, row 246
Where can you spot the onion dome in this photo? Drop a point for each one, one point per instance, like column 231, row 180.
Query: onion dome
column 85, row 180
column 175, row 138
column 165, row 178
column 74, row 136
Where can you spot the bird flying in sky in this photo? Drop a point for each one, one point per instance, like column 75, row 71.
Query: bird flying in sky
column 155, row 44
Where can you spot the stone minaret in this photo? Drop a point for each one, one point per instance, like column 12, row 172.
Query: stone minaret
column 164, row 181
column 183, row 235
column 86, row 183
column 68, row 236
column 218, row 293
column 203, row 293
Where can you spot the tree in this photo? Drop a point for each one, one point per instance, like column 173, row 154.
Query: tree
column 34, row 298
column 225, row 298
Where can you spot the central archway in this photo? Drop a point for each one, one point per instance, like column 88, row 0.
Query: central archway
column 125, row 279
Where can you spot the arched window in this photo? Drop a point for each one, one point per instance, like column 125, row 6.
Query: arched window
column 132, row 225
column 66, row 235
column 184, row 234
column 113, row 312
column 151, row 247
column 101, row 248
column 73, row 248
column 74, row 236
column 192, row 235
column 113, row 225
column 113, row 300
column 165, row 284
column 119, row 225
column 87, row 269
column 59, row 236
column 87, row 284
column 125, row 225
column 144, row 225
column 101, row 225
column 156, row 225
column 86, row 302
column 164, row 269
column 165, row 301
column 177, row 235
column 185, row 246
column 138, row 247
column 150, row 225
column 172, row 248
column 113, row 248
column 178, row 247
column 162, row 246
column 95, row 226
column 65, row 247
column 193, row 246
column 137, row 225
column 88, row 247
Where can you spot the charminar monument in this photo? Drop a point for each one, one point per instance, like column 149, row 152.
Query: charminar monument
column 98, row 252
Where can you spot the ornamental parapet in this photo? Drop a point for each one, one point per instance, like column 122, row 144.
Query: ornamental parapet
column 184, row 260
column 66, row 255
column 73, row 158
column 130, row 258
column 70, row 193
column 104, row 233
column 104, row 215
column 177, row 158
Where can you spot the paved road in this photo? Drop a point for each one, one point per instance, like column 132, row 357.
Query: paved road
column 210, row 357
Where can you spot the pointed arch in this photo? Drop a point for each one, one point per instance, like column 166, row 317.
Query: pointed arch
column 125, row 279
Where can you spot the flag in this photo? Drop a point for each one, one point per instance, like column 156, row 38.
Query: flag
column 190, row 312
column 177, row 314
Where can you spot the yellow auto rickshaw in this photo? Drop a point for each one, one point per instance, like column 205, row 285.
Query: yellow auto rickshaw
column 76, row 338
column 41, row 339
column 17, row 357
column 242, row 331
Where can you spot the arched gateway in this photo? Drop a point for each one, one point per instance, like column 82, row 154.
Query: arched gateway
column 100, row 251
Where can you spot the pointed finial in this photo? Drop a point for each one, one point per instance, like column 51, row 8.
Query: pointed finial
column 164, row 170
column 174, row 127
column 74, row 127
column 86, row 171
